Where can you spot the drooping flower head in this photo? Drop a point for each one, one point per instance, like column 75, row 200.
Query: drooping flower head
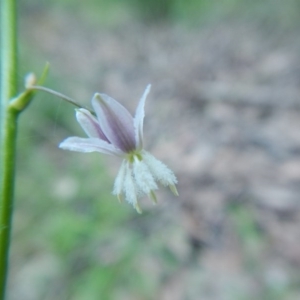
column 114, row 131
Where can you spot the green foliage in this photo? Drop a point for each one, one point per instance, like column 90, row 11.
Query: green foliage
column 248, row 231
column 110, row 12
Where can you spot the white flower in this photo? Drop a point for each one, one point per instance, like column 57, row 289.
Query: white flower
column 116, row 132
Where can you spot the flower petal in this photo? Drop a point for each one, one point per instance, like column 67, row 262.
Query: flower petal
column 139, row 118
column 115, row 121
column 89, row 145
column 90, row 124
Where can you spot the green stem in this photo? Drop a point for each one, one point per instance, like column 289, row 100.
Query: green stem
column 57, row 94
column 8, row 124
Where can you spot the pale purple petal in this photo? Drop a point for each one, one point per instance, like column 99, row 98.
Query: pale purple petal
column 139, row 118
column 89, row 145
column 90, row 124
column 115, row 121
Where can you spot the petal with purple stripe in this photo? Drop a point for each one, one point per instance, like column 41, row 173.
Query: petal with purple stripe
column 89, row 145
column 115, row 121
column 90, row 124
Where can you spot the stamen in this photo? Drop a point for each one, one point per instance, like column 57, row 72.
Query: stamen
column 138, row 208
column 120, row 198
column 173, row 189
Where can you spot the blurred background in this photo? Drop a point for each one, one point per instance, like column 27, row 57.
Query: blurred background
column 223, row 113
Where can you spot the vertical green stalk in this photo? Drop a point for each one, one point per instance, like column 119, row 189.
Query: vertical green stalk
column 8, row 124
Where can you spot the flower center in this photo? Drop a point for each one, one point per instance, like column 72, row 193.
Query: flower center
column 130, row 156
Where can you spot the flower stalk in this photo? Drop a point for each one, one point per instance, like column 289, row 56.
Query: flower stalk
column 54, row 93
